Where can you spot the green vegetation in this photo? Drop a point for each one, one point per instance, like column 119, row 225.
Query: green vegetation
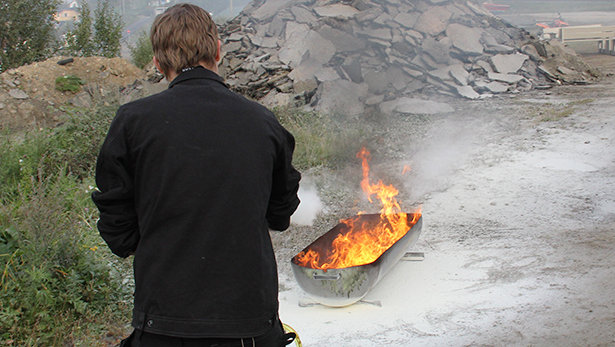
column 27, row 31
column 69, row 83
column 59, row 284
column 99, row 36
column 320, row 139
column 142, row 52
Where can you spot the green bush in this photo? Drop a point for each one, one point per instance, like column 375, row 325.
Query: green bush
column 142, row 53
column 59, row 284
column 69, row 83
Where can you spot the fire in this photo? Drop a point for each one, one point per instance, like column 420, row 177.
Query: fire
column 363, row 243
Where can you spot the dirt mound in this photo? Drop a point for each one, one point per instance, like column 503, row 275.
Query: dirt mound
column 28, row 96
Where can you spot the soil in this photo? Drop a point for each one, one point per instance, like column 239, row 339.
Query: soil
column 518, row 201
column 103, row 78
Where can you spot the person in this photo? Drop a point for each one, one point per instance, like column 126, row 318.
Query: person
column 190, row 181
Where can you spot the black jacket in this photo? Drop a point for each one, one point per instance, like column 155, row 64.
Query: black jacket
column 189, row 180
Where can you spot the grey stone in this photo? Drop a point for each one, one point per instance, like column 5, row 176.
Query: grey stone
column 464, row 38
column 272, row 7
column 407, row 20
column 231, row 47
column 379, row 34
column 565, row 70
column 265, row 42
column 485, row 65
column 368, row 15
column 275, row 99
column 306, row 70
column 305, row 86
column 84, row 100
column 295, row 31
column 276, row 27
column 354, row 71
column 301, row 43
column 419, row 106
column 497, row 87
column 336, row 10
column 508, row 63
column 343, row 41
column 397, row 78
column 326, row 74
column 18, row 94
column 459, row 74
column 433, row 21
column 500, row 49
column 412, row 72
column 437, row 50
column 414, row 86
column 467, row 92
column 508, row 78
column 383, row 19
column 303, row 15
column 442, row 73
column 341, row 97
column 10, row 83
column 374, row 100
column 2, row 106
column 377, row 81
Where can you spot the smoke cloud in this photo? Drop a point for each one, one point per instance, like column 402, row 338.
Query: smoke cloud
column 445, row 149
column 310, row 206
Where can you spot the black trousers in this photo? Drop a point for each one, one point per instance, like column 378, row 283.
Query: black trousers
column 274, row 338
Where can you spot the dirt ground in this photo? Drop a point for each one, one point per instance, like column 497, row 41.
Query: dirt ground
column 518, row 198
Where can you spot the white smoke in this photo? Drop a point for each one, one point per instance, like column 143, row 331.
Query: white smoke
column 310, row 205
column 445, row 150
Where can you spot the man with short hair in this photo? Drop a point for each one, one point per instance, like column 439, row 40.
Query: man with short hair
column 190, row 181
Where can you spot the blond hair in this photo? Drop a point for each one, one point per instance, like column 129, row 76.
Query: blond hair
column 182, row 36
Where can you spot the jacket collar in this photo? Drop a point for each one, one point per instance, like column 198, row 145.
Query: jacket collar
column 197, row 73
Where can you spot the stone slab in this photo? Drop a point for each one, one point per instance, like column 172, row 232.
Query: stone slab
column 343, row 41
column 341, row 97
column 508, row 78
column 326, row 74
column 303, row 15
column 433, row 21
column 464, row 38
column 467, row 92
column 407, row 20
column 18, row 94
column 508, row 63
column 439, row 51
column 306, row 71
column 336, row 10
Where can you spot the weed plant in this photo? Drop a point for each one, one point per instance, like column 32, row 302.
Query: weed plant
column 321, row 140
column 59, row 284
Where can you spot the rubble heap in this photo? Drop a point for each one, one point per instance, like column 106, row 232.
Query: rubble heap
column 345, row 56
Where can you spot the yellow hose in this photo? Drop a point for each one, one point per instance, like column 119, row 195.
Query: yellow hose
column 289, row 329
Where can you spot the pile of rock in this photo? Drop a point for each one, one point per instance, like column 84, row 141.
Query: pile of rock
column 345, row 56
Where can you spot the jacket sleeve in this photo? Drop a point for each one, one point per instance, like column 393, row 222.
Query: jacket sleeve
column 283, row 200
column 118, row 224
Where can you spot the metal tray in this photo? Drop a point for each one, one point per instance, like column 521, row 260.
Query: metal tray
column 345, row 286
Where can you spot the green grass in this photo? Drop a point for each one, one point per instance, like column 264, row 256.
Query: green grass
column 321, row 140
column 59, row 284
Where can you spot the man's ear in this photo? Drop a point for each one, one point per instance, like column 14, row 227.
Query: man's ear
column 218, row 51
column 157, row 64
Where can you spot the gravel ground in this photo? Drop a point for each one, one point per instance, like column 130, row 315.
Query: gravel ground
column 518, row 205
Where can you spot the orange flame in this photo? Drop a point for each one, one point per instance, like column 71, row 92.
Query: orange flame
column 363, row 243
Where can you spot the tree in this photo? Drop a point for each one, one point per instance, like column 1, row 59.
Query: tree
column 107, row 30
column 142, row 52
column 99, row 36
column 79, row 41
column 26, row 33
